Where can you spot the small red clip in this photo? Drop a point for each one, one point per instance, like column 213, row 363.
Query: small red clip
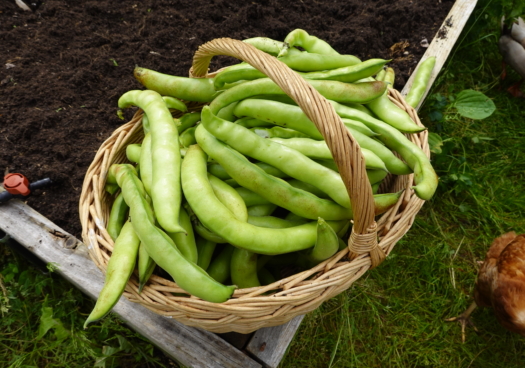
column 17, row 184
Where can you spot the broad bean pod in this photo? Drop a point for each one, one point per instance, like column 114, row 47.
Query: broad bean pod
column 420, row 82
column 185, row 242
column 219, row 267
column 187, row 89
column 278, row 132
column 230, row 197
column 319, row 149
column 146, row 170
column 119, row 269
column 250, row 198
column 145, row 266
column 260, row 210
column 243, row 268
column 273, row 222
column 424, row 175
column 269, row 187
column 205, row 248
column 165, row 156
column 160, row 247
column 133, row 152
column 117, row 216
column 312, row 44
column 214, row 215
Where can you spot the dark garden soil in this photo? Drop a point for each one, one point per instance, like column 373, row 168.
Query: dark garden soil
column 64, row 65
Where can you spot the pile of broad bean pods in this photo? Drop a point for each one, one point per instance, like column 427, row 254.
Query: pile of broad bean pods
column 230, row 193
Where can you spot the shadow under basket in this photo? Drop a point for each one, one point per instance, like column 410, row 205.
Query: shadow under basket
column 253, row 308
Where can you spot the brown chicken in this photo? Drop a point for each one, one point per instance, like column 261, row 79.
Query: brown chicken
column 501, row 284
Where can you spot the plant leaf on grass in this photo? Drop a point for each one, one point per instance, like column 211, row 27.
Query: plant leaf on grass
column 474, row 105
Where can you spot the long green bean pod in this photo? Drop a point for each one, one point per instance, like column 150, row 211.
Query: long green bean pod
column 424, row 174
column 243, row 268
column 187, row 89
column 230, row 197
column 120, row 266
column 133, row 152
column 273, row 222
column 214, row 215
column 146, row 170
column 205, row 249
column 319, row 149
column 117, row 216
column 271, row 188
column 220, row 267
column 420, row 83
column 165, row 156
column 185, row 242
column 312, row 44
column 160, row 247
column 145, row 265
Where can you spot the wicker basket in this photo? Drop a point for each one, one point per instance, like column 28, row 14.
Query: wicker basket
column 277, row 303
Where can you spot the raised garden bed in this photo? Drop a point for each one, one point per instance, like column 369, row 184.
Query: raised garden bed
column 84, row 82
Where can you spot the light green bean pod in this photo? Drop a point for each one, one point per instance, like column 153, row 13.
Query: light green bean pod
column 229, row 197
column 145, row 265
column 185, row 242
column 117, row 216
column 312, row 44
column 220, row 266
column 119, row 269
column 160, row 247
column 205, row 249
column 214, row 215
column 165, row 156
column 420, row 82
column 146, row 171
column 133, row 152
column 243, row 268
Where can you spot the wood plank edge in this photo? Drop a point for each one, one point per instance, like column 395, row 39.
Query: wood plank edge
column 458, row 17
column 189, row 346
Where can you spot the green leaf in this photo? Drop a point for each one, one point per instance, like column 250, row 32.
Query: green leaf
column 47, row 322
column 435, row 143
column 474, row 105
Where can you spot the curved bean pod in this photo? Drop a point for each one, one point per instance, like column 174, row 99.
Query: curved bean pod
column 160, row 247
column 120, row 267
column 230, row 197
column 390, row 77
column 187, row 137
column 312, row 44
column 205, row 249
column 261, row 210
column 243, row 268
column 304, row 61
column 219, row 267
column 319, row 149
column 273, row 222
column 391, row 114
column 175, row 104
column 351, row 73
column 145, row 265
column 278, row 132
column 165, row 156
column 117, row 216
column 185, row 242
column 420, row 83
column 214, row 215
column 146, row 170
column 187, row 89
column 133, row 152
column 424, row 174
column 273, row 189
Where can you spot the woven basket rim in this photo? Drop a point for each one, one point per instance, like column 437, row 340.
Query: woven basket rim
column 248, row 309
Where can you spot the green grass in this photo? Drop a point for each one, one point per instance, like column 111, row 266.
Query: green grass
column 391, row 317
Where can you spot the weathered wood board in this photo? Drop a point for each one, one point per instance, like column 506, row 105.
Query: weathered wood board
column 192, row 347
column 444, row 41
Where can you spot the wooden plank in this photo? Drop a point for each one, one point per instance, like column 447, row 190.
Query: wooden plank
column 444, row 41
column 268, row 345
column 190, row 346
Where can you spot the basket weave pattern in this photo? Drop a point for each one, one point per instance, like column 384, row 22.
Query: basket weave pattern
column 279, row 302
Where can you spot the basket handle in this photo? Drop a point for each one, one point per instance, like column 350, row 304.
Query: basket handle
column 344, row 148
